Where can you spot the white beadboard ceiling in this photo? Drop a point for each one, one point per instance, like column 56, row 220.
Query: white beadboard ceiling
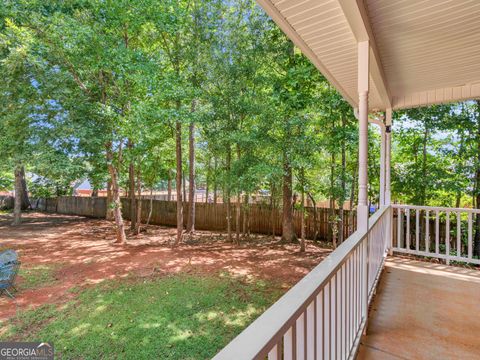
column 422, row 51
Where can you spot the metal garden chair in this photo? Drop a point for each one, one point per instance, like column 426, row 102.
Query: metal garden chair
column 9, row 266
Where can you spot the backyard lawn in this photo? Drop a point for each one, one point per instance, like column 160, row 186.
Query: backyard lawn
column 144, row 300
column 175, row 317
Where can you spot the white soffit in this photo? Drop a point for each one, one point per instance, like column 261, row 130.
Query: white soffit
column 422, row 51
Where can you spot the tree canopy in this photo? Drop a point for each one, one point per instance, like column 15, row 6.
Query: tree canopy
column 137, row 96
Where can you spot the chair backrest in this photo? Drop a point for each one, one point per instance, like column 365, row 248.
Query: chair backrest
column 7, row 272
column 8, row 256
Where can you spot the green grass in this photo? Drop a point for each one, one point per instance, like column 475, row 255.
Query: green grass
column 37, row 276
column 176, row 317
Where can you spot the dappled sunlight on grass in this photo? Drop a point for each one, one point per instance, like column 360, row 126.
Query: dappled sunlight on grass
column 80, row 330
column 172, row 317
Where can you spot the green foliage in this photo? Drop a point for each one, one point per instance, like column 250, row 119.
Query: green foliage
column 6, row 181
column 88, row 83
column 435, row 155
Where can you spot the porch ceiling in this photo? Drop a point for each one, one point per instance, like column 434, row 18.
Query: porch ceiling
column 422, row 51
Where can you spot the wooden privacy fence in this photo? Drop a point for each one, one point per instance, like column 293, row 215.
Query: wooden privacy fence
column 211, row 217
column 95, row 207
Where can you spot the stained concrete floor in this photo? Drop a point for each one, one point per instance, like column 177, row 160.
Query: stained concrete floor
column 424, row 311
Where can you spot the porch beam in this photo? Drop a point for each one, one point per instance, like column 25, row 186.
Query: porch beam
column 363, row 88
column 357, row 18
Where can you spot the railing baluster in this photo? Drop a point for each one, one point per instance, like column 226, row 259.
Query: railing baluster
column 333, row 317
column 447, row 238
column 310, row 331
column 327, row 321
column 275, row 353
column 357, row 287
column 437, row 232
column 417, row 230
column 407, row 235
column 288, row 344
column 365, row 279
column 319, row 320
column 470, row 233
column 339, row 309
column 399, row 228
column 459, row 235
column 343, row 322
column 427, row 231
column 300, row 337
column 351, row 300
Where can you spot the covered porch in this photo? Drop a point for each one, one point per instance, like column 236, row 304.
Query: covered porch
column 367, row 299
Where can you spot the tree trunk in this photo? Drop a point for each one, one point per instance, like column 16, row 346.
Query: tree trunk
column 94, row 192
column 423, row 192
column 215, row 184
column 169, row 185
column 184, row 187
column 109, row 214
column 117, row 206
column 178, row 153
column 352, row 198
column 315, row 218
column 273, row 208
column 191, row 176
column 17, row 207
column 25, row 199
column 288, row 231
column 138, row 203
column 238, row 208
column 227, row 195
column 245, row 216
column 131, row 192
column 332, row 216
column 460, row 169
column 150, row 208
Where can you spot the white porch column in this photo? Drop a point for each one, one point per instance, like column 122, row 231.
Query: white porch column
column 363, row 87
column 388, row 154
column 382, row 164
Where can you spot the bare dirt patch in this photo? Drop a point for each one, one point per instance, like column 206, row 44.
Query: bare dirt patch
column 82, row 252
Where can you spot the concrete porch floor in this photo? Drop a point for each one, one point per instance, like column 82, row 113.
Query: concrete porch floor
column 424, row 311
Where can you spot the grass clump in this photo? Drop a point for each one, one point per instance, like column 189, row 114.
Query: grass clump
column 176, row 317
column 37, row 276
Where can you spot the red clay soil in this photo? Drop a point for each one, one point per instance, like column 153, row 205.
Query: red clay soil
column 83, row 254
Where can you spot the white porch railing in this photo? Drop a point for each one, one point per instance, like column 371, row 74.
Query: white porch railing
column 323, row 316
column 439, row 232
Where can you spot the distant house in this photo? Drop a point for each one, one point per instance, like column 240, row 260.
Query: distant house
column 84, row 188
